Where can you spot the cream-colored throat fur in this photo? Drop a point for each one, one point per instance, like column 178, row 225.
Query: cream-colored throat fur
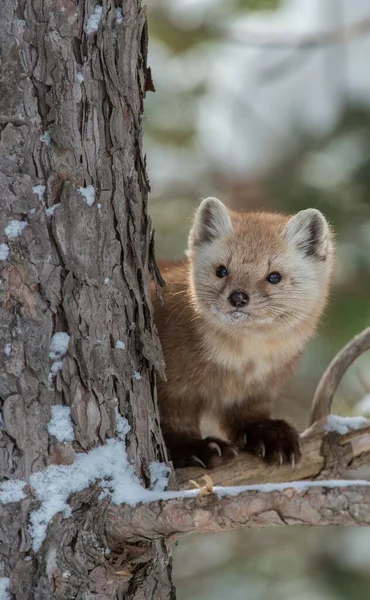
column 237, row 350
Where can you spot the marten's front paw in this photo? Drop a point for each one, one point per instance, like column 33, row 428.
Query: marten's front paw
column 272, row 439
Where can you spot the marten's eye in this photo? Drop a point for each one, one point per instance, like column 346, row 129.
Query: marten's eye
column 274, row 277
column 221, row 271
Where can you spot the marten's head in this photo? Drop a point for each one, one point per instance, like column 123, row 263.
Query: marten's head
column 259, row 269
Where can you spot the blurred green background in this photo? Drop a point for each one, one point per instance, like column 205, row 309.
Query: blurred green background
column 255, row 103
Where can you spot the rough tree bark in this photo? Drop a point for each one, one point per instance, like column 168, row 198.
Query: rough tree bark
column 73, row 79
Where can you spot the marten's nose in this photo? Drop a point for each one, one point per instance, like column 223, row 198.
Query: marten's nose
column 238, row 299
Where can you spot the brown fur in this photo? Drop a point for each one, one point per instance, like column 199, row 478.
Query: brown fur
column 222, row 376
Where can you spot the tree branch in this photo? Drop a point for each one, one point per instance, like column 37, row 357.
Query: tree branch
column 209, row 509
column 318, row 503
column 323, row 398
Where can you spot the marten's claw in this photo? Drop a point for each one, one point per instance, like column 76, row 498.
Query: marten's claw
column 215, row 446
column 211, row 452
column 207, row 453
column 274, row 440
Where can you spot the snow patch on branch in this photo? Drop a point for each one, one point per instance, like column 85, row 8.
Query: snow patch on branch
column 12, row 491
column 344, row 424
column 60, row 424
column 298, row 486
column 94, row 19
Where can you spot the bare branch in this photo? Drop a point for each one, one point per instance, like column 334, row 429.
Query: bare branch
column 329, row 382
column 346, row 503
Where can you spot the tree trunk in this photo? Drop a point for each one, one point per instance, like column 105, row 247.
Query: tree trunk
column 75, row 255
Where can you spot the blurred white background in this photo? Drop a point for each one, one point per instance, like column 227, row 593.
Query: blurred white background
column 266, row 104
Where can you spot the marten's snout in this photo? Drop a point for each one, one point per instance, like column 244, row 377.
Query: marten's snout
column 238, row 299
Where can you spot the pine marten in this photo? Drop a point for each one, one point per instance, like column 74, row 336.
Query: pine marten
column 234, row 322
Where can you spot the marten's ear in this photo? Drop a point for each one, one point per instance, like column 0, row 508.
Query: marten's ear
column 211, row 222
column 308, row 231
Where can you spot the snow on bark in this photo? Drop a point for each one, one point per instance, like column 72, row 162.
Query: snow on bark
column 14, row 228
column 60, row 424
column 12, row 490
column 93, row 22
column 4, row 251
